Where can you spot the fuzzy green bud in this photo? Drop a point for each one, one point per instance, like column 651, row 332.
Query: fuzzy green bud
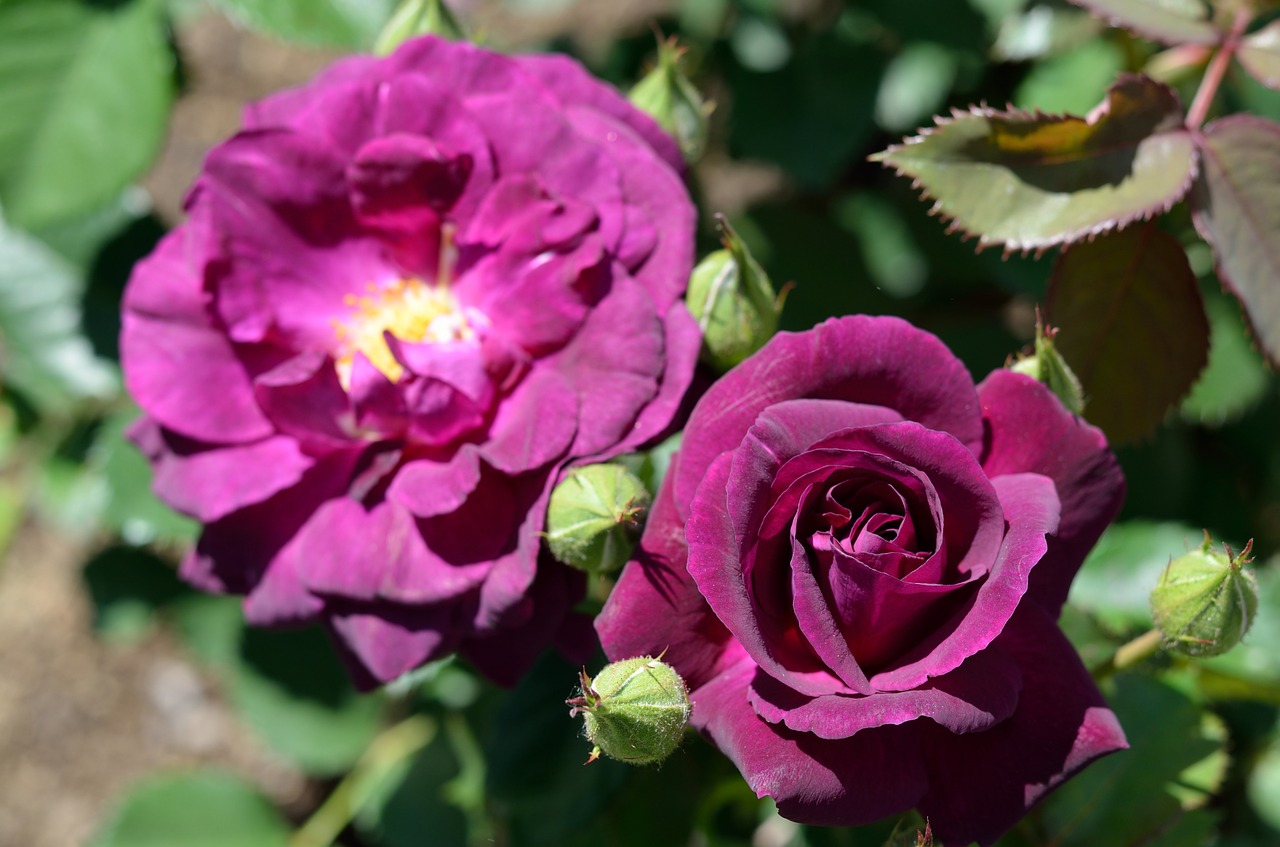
column 418, row 17
column 667, row 96
column 733, row 301
column 1205, row 601
column 635, row 710
column 1047, row 365
column 594, row 517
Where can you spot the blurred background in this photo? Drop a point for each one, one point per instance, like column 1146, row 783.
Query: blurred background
column 114, row 677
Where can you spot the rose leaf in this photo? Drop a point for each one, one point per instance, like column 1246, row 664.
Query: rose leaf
column 1236, row 207
column 1236, row 378
column 1133, row 326
column 1260, row 55
column 1029, row 180
column 1168, row 21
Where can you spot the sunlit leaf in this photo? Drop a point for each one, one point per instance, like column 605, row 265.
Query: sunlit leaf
column 202, row 809
column 1072, row 82
column 1114, row 584
column 43, row 352
column 1236, row 377
column 85, row 90
column 1043, row 29
column 1260, row 54
column 1168, row 21
column 339, row 23
column 1031, row 181
column 1133, row 326
column 1236, row 206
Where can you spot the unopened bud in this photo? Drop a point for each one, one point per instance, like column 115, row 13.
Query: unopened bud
column 1205, row 601
column 668, row 97
column 733, row 301
column 635, row 710
column 413, row 18
column 594, row 517
column 1047, row 365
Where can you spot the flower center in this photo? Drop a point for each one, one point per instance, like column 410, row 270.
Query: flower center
column 410, row 310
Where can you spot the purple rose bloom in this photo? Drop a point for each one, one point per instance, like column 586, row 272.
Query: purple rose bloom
column 407, row 295
column 857, row 560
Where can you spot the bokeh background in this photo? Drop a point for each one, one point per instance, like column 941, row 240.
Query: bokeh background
column 114, row 676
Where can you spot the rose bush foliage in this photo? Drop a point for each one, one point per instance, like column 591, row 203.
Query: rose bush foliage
column 857, row 561
column 406, row 296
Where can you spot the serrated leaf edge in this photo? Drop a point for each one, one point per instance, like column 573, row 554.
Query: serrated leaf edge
column 1011, row 112
column 1118, row 22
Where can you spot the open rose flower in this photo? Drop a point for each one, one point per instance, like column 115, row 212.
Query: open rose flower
column 407, row 295
column 857, row 561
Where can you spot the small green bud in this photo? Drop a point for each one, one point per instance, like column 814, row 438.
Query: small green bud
column 667, row 96
column 634, row 710
column 1047, row 365
column 733, row 301
column 594, row 517
column 1205, row 601
column 418, row 17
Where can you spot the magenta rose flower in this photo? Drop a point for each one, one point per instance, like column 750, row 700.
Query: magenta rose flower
column 857, row 561
column 406, row 296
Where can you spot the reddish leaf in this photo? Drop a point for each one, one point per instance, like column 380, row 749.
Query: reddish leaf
column 1169, row 21
column 1132, row 324
column 1260, row 55
column 1030, row 181
column 1236, row 208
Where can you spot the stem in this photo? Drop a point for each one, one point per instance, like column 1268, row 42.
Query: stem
column 387, row 751
column 1217, row 71
column 1127, row 655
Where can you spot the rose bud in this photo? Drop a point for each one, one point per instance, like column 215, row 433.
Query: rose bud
column 594, row 517
column 1205, row 601
column 634, row 710
column 418, row 17
column 734, row 302
column 668, row 96
column 1047, row 365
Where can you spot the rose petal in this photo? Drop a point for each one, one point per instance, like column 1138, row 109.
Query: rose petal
column 381, row 643
column 405, row 182
column 211, row 484
column 661, row 414
column 535, row 425
column 1032, row 431
column 305, row 400
column 878, row 361
column 428, row 488
column 983, row 783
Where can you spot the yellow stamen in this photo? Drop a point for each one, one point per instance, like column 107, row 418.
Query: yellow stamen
column 408, row 309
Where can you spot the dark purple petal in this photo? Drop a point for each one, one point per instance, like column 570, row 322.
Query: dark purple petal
column 304, row 399
column 534, row 426
column 1030, row 431
column 981, row 784
column 211, row 484
column 427, row 488
column 406, row 182
column 852, row 781
column 661, row 413
column 878, row 361
column 655, row 607
column 382, row 642
column 1030, row 507
column 974, row 697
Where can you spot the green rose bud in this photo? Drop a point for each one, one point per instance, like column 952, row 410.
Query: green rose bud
column 1205, row 601
column 418, row 17
column 1048, row 366
column 594, row 517
column 634, row 710
column 733, row 301
column 667, row 96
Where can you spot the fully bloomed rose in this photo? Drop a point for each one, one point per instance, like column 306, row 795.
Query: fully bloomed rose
column 407, row 295
column 857, row 561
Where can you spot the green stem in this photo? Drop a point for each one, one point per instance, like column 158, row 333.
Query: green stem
column 387, row 751
column 1127, row 655
column 1217, row 71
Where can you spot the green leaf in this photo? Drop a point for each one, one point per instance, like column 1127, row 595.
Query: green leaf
column 1167, row 21
column 202, row 809
column 1115, row 581
column 1133, row 326
column 293, row 691
column 1236, row 377
column 132, row 509
column 85, row 90
column 413, row 802
column 1264, row 784
column 1030, row 181
column 1151, row 793
column 1044, row 29
column 128, row 587
column 915, row 84
column 1073, row 81
column 338, row 23
column 1236, row 208
column 43, row 353
column 1260, row 55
